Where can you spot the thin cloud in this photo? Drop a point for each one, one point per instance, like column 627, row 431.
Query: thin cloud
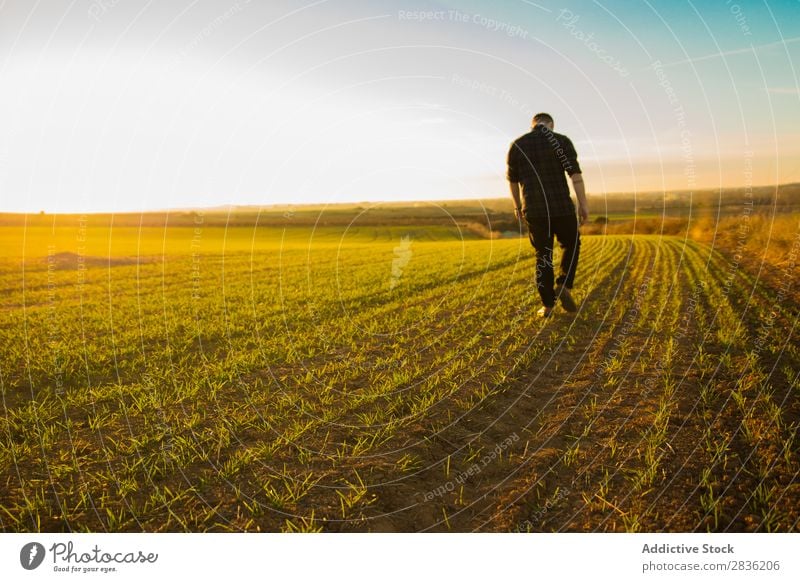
column 723, row 54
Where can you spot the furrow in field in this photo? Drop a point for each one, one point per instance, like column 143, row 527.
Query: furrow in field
column 504, row 411
column 589, row 435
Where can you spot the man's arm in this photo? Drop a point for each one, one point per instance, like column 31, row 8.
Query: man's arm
column 512, row 175
column 580, row 192
column 573, row 168
column 517, row 200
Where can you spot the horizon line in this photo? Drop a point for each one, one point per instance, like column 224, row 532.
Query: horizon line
column 233, row 206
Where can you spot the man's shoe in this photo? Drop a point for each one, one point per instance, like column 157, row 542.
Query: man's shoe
column 567, row 302
column 544, row 312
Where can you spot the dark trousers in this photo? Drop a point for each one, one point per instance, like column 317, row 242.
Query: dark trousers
column 540, row 232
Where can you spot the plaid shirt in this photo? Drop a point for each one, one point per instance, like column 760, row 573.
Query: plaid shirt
column 538, row 161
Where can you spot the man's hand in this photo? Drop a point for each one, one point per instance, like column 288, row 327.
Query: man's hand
column 583, row 213
column 518, row 213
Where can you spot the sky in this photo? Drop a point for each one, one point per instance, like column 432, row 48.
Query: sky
column 130, row 105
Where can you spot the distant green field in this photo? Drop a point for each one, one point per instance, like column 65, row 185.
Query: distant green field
column 126, row 241
column 387, row 379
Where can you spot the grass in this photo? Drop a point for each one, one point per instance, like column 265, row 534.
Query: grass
column 287, row 379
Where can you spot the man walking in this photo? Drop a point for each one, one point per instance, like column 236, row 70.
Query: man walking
column 537, row 162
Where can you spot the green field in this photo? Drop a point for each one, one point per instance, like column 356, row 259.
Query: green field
column 388, row 378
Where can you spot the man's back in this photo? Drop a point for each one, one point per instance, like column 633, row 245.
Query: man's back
column 538, row 160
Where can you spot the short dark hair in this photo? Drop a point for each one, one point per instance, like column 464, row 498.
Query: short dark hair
column 545, row 117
